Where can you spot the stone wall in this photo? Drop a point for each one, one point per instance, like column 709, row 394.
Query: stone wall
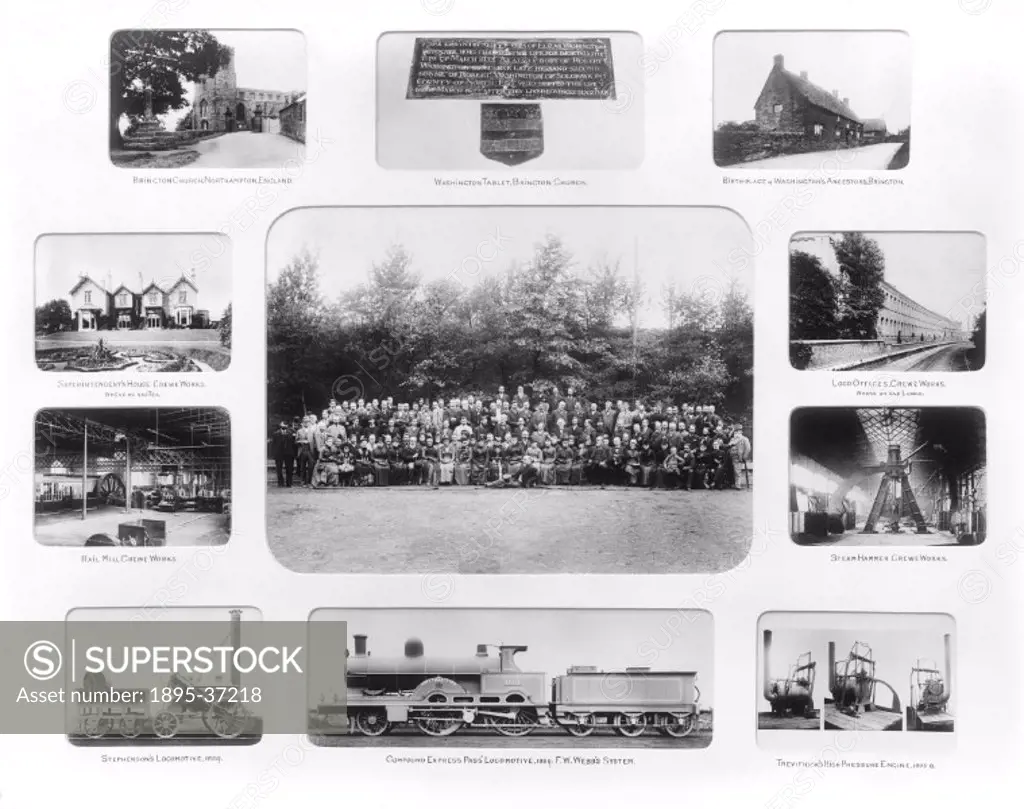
column 735, row 146
column 293, row 121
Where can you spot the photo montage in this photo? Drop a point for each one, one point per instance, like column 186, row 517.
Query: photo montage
column 888, row 476
column 488, row 101
column 199, row 99
column 805, row 100
column 854, row 672
column 125, row 303
column 509, row 390
column 892, row 302
column 553, row 679
column 134, row 477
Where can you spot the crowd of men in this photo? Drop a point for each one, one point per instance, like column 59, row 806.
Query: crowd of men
column 511, row 440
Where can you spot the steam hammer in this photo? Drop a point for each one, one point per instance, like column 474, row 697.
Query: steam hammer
column 896, row 478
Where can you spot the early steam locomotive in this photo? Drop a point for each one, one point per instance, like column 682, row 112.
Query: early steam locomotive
column 439, row 696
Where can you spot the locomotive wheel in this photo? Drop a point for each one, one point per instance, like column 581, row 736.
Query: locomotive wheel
column 678, row 725
column 521, row 723
column 225, row 722
column 372, row 723
column 96, row 727
column 630, row 725
column 439, row 691
column 165, row 724
column 130, row 726
column 581, row 724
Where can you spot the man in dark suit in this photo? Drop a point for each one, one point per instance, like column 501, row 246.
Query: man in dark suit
column 282, row 450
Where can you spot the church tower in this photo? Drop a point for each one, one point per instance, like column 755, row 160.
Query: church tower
column 215, row 98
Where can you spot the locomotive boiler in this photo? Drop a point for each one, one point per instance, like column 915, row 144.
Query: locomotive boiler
column 930, row 693
column 794, row 694
column 438, row 696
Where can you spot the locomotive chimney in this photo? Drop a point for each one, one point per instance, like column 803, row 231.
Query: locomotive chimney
column 767, row 681
column 360, row 642
column 947, row 690
column 481, row 650
column 831, row 667
column 235, row 642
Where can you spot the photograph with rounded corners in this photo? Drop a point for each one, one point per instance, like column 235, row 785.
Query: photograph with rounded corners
column 892, row 302
column 135, row 707
column 494, row 101
column 860, row 673
column 888, row 476
column 623, row 680
column 812, row 100
column 132, row 478
column 127, row 303
column 509, row 390
column 207, row 99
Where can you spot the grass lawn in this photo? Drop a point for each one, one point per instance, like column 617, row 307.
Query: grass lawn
column 128, row 159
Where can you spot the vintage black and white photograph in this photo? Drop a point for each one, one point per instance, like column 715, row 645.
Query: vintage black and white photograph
column 812, row 100
column 893, row 302
column 493, row 100
column 888, row 476
column 791, row 696
column 200, row 99
column 134, row 477
column 509, row 390
column 142, row 709
column 133, row 303
column 563, row 678
column 861, row 672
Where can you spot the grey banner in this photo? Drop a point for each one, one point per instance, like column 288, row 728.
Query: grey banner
column 172, row 681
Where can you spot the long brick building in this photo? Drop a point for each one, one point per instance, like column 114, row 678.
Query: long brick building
column 902, row 319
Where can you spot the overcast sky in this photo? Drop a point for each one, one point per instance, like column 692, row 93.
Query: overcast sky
column 896, row 641
column 938, row 270
column 119, row 258
column 557, row 638
column 689, row 246
column 871, row 68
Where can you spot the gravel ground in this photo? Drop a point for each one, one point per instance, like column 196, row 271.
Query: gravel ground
column 473, row 530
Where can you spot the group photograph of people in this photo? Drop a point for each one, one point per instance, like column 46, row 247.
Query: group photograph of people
column 502, row 440
column 509, row 391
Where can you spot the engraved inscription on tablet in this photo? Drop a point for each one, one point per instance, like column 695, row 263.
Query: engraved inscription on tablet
column 514, row 69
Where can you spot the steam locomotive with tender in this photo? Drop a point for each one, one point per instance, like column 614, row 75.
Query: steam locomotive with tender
column 440, row 696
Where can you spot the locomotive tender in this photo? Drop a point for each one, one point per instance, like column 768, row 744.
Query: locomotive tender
column 439, row 696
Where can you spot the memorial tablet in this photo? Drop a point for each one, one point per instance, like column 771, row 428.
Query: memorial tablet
column 528, row 69
column 511, row 133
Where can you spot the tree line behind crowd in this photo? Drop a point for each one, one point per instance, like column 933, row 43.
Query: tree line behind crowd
column 542, row 323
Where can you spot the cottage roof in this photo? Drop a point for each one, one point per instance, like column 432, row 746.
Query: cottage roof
column 183, row 280
column 153, row 285
column 125, row 287
column 875, row 125
column 85, row 279
column 300, row 100
column 819, row 97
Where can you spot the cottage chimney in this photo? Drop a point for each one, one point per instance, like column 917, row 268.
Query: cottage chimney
column 780, row 61
column 846, row 101
column 835, row 93
column 803, row 75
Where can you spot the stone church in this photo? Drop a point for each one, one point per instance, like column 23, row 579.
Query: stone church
column 220, row 105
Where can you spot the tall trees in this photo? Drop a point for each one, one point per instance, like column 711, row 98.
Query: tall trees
column 812, row 299
column 164, row 60
column 861, row 272
column 545, row 321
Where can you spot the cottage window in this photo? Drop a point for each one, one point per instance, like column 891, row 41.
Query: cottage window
column 88, row 297
column 152, row 297
column 818, row 129
column 183, row 297
column 778, row 109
